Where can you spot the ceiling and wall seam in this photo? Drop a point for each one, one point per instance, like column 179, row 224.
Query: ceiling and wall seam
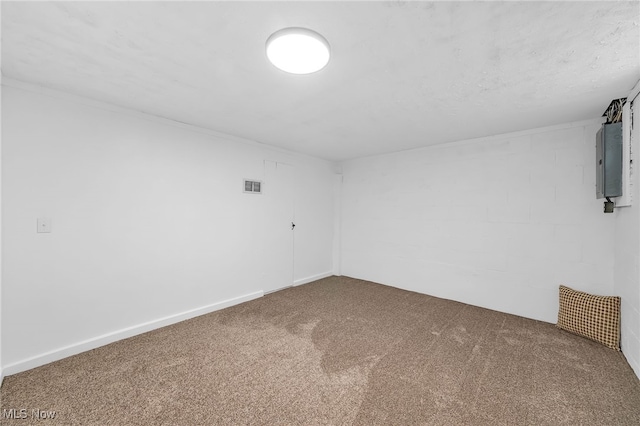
column 494, row 138
column 118, row 109
column 11, row 82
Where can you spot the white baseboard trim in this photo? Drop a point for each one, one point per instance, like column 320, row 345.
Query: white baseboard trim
column 634, row 365
column 1, row 376
column 277, row 289
column 312, row 278
column 124, row 333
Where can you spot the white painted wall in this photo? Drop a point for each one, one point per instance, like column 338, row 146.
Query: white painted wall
column 627, row 260
column 313, row 244
column 150, row 224
column 337, row 222
column 1, row 333
column 498, row 222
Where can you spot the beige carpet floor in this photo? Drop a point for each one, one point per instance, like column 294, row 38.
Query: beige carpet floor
column 338, row 351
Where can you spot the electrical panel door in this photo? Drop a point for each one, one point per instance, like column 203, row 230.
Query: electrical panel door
column 609, row 161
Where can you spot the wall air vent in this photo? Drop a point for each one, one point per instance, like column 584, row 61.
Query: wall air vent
column 252, row 186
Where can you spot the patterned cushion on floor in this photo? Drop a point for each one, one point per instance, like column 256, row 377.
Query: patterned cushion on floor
column 594, row 317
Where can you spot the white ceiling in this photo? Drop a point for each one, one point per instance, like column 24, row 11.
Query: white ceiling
column 402, row 74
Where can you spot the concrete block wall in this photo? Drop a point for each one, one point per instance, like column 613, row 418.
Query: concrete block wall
column 497, row 222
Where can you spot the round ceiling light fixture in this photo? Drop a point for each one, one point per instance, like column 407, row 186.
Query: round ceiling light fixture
column 298, row 50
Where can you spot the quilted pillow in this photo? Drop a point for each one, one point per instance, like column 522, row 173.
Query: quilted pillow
column 594, row 317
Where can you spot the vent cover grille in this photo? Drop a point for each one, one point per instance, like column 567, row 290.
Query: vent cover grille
column 252, row 186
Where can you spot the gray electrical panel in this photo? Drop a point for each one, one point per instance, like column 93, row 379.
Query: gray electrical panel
column 609, row 161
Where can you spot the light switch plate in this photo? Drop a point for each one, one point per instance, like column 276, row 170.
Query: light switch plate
column 44, row 225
